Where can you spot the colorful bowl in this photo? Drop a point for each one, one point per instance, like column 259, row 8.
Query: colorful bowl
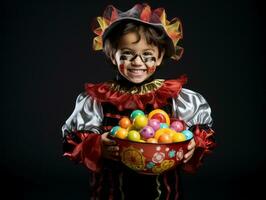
column 151, row 158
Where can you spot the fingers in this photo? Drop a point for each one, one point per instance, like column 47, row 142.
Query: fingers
column 112, row 148
column 109, row 148
column 191, row 145
column 106, row 140
column 111, row 152
column 188, row 155
column 191, row 149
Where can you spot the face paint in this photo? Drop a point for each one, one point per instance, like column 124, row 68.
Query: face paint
column 123, row 57
column 149, row 59
column 151, row 69
column 144, row 59
column 122, row 68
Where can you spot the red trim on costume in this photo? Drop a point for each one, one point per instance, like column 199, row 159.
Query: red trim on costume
column 83, row 153
column 122, row 100
column 204, row 145
column 117, row 116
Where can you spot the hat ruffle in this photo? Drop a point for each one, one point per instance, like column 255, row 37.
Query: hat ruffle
column 142, row 13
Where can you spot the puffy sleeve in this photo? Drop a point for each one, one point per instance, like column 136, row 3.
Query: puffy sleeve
column 82, row 133
column 193, row 109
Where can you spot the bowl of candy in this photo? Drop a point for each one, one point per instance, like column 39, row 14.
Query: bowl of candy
column 151, row 143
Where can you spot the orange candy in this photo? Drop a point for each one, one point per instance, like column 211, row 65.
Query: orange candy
column 121, row 133
column 124, row 122
column 152, row 140
column 165, row 138
column 161, row 131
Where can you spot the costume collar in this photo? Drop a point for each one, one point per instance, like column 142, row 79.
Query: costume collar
column 156, row 93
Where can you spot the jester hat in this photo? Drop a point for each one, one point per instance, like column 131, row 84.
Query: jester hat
column 141, row 13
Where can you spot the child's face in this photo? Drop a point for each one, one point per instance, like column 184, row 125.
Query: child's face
column 136, row 61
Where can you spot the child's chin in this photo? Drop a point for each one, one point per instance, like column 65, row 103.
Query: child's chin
column 137, row 80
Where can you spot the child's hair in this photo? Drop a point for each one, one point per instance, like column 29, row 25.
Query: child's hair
column 153, row 36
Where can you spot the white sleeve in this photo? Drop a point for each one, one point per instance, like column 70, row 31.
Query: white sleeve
column 87, row 115
column 191, row 107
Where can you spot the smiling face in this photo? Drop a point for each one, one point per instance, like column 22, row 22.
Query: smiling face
column 135, row 58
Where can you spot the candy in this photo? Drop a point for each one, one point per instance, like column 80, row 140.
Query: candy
column 147, row 132
column 178, row 126
column 165, row 138
column 125, row 122
column 188, row 134
column 154, row 123
column 136, row 113
column 133, row 135
column 159, row 114
column 178, row 137
column 121, row 133
column 152, row 140
column 114, row 130
column 161, row 131
column 159, row 117
column 140, row 121
column 164, row 125
column 156, row 127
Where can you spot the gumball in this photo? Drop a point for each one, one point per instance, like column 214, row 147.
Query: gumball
column 160, row 115
column 131, row 127
column 124, row 122
column 152, row 140
column 133, row 135
column 154, row 123
column 147, row 132
column 165, row 138
column 161, row 131
column 142, row 141
column 164, row 125
column 114, row 130
column 188, row 134
column 178, row 126
column 121, row 133
column 140, row 122
column 136, row 113
column 178, row 137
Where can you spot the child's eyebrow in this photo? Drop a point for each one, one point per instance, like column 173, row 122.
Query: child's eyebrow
column 122, row 49
column 126, row 49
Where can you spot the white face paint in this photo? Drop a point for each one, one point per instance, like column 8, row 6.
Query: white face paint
column 136, row 61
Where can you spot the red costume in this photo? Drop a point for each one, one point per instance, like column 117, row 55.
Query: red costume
column 101, row 106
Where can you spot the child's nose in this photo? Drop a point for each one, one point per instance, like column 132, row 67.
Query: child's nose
column 137, row 60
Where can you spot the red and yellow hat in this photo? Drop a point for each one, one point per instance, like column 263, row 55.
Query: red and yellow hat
column 144, row 14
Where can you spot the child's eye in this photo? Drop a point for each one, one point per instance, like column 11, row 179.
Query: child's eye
column 127, row 53
column 147, row 53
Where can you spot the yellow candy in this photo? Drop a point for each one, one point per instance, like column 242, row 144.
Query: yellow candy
column 140, row 122
column 178, row 137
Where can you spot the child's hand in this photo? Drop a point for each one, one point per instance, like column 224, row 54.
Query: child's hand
column 191, row 149
column 109, row 148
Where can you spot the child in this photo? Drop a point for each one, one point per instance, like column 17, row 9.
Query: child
column 136, row 42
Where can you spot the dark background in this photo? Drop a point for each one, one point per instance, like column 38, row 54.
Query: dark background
column 46, row 58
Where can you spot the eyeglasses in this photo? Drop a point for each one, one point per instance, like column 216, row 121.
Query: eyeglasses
column 146, row 57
